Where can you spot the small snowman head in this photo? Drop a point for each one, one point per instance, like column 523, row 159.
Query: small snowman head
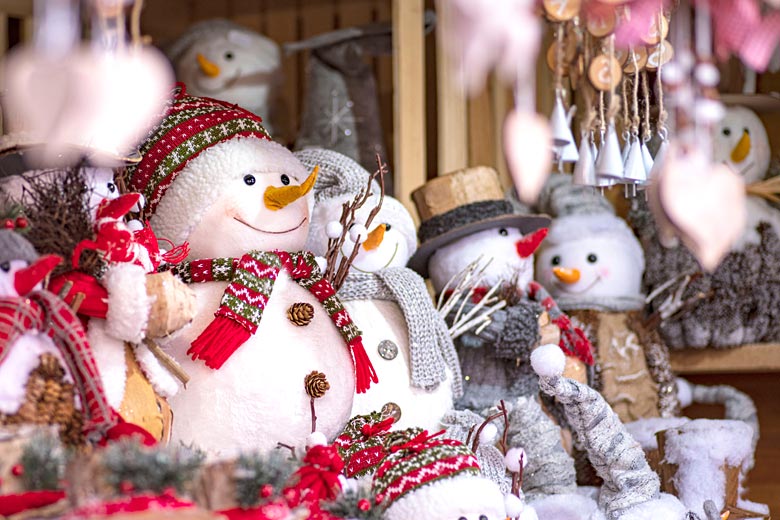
column 590, row 256
column 432, row 478
column 740, row 140
column 464, row 217
column 21, row 269
column 388, row 241
column 223, row 60
column 238, row 191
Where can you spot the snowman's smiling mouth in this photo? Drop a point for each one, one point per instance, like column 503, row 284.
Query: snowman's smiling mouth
column 271, row 232
column 563, row 287
column 216, row 90
column 356, row 268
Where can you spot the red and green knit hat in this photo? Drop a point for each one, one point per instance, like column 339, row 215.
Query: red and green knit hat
column 417, row 459
column 189, row 126
column 362, row 443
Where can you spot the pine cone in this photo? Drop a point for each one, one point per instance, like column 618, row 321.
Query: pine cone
column 300, row 314
column 316, row 384
column 50, row 367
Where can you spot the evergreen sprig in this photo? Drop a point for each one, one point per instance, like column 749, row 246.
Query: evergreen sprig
column 254, row 471
column 348, row 505
column 43, row 463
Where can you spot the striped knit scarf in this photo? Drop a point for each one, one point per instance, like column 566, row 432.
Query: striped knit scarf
column 43, row 311
column 251, row 280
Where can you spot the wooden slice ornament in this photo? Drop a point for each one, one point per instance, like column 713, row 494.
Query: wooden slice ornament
column 561, row 10
column 621, row 55
column 604, row 72
column 601, row 25
column 660, row 54
column 658, row 30
column 636, row 59
column 569, row 53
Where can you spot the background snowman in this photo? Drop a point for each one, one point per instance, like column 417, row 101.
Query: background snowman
column 405, row 337
column 592, row 265
column 212, row 177
column 223, row 60
column 465, row 217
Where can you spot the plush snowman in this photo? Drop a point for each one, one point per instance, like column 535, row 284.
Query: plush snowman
column 741, row 142
column 223, row 60
column 592, row 265
column 433, row 478
column 405, row 337
column 265, row 318
column 465, row 217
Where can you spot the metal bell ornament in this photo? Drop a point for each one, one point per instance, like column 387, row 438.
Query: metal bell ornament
column 609, row 162
column 634, row 167
column 647, row 159
column 658, row 161
column 559, row 124
column 585, row 169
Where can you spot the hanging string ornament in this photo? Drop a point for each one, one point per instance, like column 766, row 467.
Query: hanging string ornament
column 564, row 146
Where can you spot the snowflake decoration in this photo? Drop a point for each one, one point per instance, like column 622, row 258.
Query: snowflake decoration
column 338, row 119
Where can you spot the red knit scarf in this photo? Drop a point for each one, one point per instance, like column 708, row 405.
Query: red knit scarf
column 251, row 279
column 43, row 311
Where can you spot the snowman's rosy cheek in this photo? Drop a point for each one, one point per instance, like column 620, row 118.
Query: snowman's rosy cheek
column 604, row 272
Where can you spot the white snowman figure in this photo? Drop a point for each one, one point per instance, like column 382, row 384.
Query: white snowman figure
column 433, row 478
column 405, row 337
column 213, row 178
column 741, row 142
column 223, row 60
column 592, row 264
column 465, row 217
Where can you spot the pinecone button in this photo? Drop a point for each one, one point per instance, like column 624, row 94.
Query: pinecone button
column 300, row 314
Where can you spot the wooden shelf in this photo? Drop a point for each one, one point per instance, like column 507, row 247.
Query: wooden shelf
column 757, row 102
column 762, row 357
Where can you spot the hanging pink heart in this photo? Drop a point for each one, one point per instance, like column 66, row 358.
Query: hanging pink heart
column 705, row 202
column 528, row 150
column 103, row 101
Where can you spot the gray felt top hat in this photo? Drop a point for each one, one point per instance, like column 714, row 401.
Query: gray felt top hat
column 14, row 246
column 461, row 203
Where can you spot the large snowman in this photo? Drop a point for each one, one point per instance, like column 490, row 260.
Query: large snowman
column 592, row 265
column 465, row 217
column 741, row 142
column 406, row 339
column 212, row 177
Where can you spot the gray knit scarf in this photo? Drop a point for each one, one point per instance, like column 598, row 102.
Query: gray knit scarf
column 600, row 303
column 430, row 345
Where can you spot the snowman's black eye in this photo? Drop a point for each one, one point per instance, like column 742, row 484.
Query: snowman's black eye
column 463, row 518
column 228, row 55
column 503, row 232
column 111, row 187
column 747, row 131
column 592, row 258
column 5, row 266
column 727, row 132
column 483, row 517
column 556, row 260
column 387, row 227
column 285, row 179
column 249, row 180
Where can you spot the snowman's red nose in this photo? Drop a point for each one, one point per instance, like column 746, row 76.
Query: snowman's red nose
column 26, row 279
column 527, row 245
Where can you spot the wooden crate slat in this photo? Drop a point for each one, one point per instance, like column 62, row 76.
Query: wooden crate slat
column 762, row 357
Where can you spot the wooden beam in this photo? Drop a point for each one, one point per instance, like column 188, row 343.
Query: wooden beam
column 452, row 138
column 17, row 8
column 408, row 99
column 762, row 357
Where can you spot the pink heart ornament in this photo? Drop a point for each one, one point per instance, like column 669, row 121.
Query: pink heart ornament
column 705, row 202
column 528, row 150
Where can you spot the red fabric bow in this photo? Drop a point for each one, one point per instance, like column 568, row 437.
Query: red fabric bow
column 369, row 430
column 417, row 443
column 318, row 478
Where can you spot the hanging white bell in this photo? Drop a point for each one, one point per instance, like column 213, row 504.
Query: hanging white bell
column 609, row 163
column 559, row 125
column 585, row 169
column 647, row 159
column 626, row 146
column 634, row 168
column 658, row 161
column 569, row 153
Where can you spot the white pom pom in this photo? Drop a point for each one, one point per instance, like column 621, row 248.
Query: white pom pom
column 513, row 505
column 322, row 263
column 529, row 513
column 512, row 459
column 548, row 360
column 358, row 233
column 684, row 392
column 333, row 229
column 316, row 439
column 135, row 225
column 488, row 434
column 140, row 204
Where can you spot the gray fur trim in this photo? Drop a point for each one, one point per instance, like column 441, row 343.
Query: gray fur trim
column 430, row 344
column 559, row 197
column 462, row 216
column 600, row 303
column 520, row 331
column 615, row 455
column 14, row 246
column 550, row 470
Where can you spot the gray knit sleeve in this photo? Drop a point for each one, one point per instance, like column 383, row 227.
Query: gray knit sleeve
column 512, row 332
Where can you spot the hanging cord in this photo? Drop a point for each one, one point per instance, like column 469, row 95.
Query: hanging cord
column 626, row 115
column 614, row 101
column 646, row 134
column 135, row 22
column 635, row 121
column 662, row 114
column 559, row 57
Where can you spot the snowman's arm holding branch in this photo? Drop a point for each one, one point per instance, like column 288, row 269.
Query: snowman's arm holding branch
column 512, row 333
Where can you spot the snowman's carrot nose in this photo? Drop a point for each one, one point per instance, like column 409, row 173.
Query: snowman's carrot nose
column 567, row 275
column 209, row 68
column 742, row 149
column 277, row 198
column 375, row 238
